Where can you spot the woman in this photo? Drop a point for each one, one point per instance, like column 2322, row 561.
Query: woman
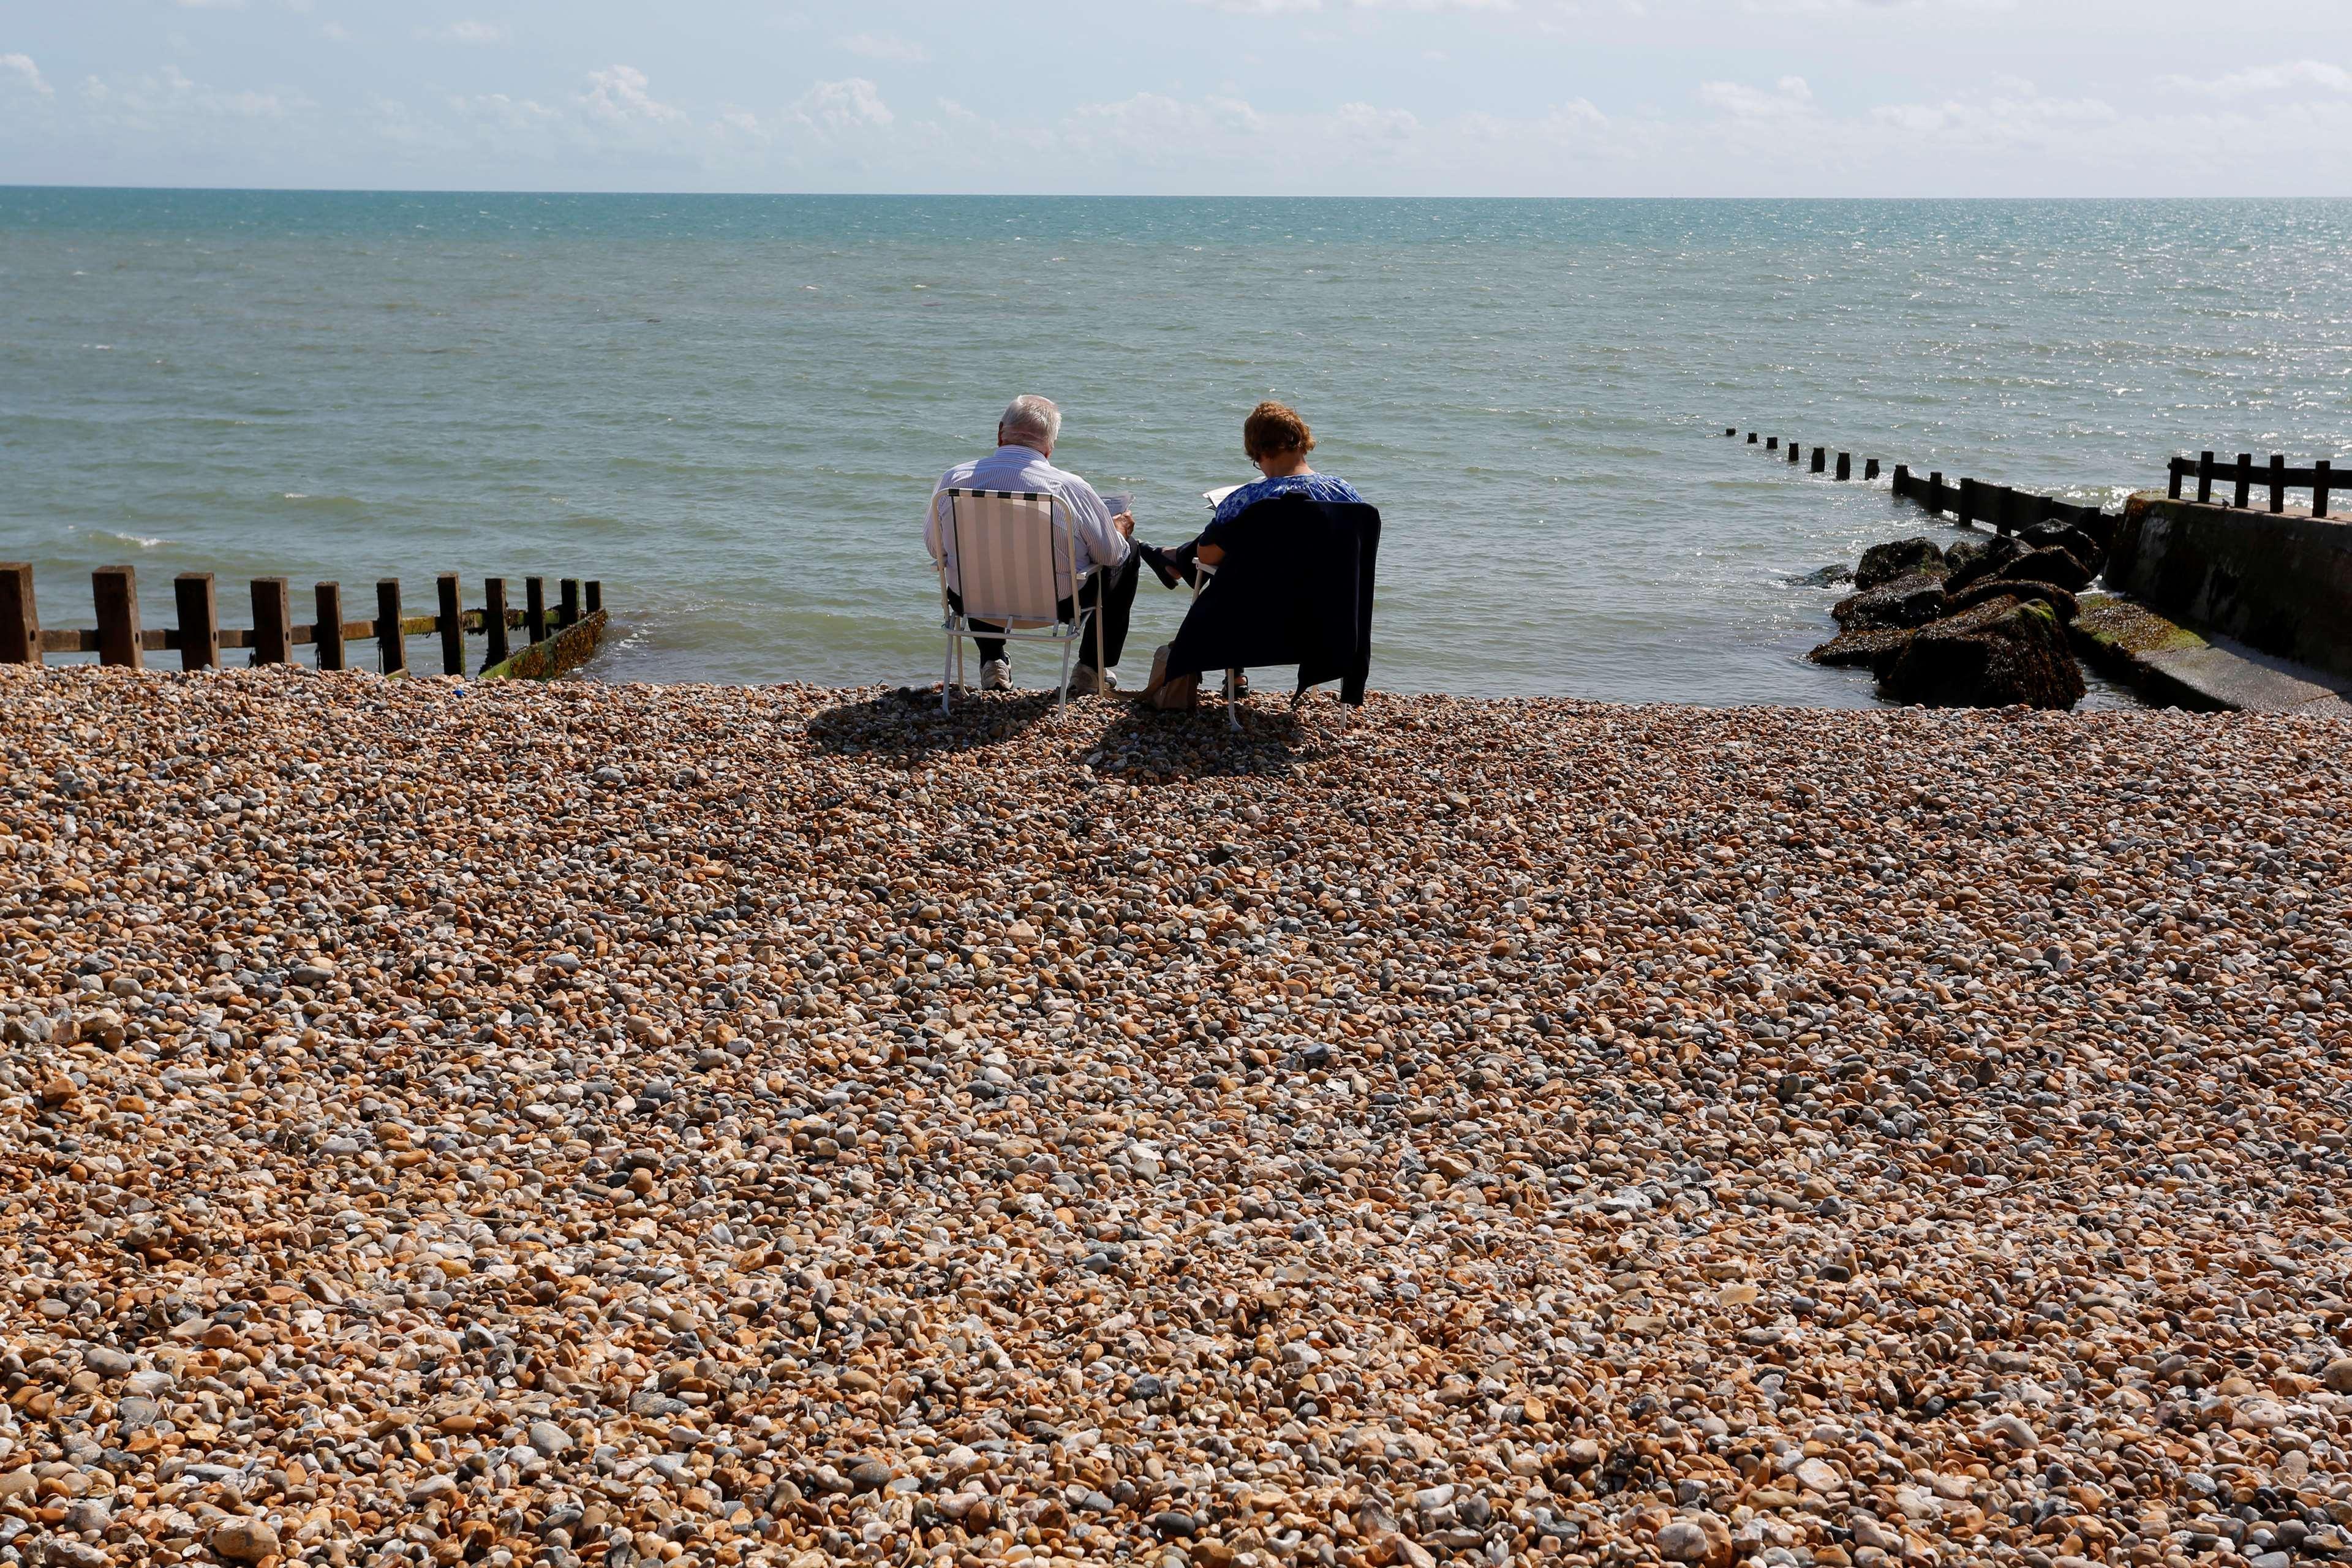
column 1276, row 439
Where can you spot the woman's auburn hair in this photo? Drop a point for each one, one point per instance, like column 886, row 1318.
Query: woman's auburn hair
column 1273, row 427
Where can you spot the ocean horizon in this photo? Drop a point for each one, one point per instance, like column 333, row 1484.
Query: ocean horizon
column 730, row 408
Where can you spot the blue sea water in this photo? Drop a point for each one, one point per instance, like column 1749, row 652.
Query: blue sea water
column 731, row 409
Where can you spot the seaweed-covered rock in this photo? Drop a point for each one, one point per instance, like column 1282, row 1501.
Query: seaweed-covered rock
column 2062, row 604
column 2065, row 536
column 2006, row 650
column 1863, row 645
column 1912, row 600
column 2053, row 566
column 1883, row 564
column 1827, row 577
column 1984, row 561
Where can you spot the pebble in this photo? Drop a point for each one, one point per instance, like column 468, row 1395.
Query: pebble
column 600, row 1125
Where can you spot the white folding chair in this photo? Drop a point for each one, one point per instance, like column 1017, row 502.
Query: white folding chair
column 1006, row 550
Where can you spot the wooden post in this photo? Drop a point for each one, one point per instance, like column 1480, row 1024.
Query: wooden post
column 534, row 608
column 453, row 626
column 570, row 613
column 2177, row 468
column 1733, row 431
column 1966, row 511
column 1795, row 451
column 329, row 632
column 2278, row 484
column 392, row 643
column 1751, row 437
column 494, row 619
column 1902, row 479
column 1846, row 466
column 2319, row 509
column 1936, row 493
column 20, row 623
column 2245, row 478
column 1820, row 460
column 1870, row 468
column 595, row 595
column 115, row 591
column 1772, row 443
column 199, row 609
column 273, row 622
column 2204, row 478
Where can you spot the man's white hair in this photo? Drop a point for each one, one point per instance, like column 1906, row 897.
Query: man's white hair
column 1029, row 415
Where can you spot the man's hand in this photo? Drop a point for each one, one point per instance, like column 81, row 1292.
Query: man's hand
column 1125, row 523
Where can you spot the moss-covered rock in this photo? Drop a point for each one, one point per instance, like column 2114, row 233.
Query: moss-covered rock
column 2006, row 650
column 1883, row 564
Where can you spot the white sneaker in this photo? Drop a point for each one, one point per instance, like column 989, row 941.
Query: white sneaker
column 1085, row 682
column 996, row 675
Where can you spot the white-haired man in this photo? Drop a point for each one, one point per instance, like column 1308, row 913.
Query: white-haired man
column 1107, row 560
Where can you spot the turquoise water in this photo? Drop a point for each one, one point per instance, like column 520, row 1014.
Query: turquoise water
column 732, row 409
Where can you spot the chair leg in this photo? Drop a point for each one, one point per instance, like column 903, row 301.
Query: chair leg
column 1066, row 675
column 1232, row 718
column 947, row 673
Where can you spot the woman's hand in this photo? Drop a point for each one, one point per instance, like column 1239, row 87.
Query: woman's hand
column 1209, row 554
column 1125, row 523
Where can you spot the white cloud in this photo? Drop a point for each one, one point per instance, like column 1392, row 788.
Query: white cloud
column 467, row 32
column 22, row 68
column 1791, row 96
column 618, row 97
column 888, row 48
column 854, row 104
column 335, row 32
column 2262, row 82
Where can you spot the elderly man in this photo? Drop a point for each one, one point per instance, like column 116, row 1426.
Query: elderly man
column 1106, row 561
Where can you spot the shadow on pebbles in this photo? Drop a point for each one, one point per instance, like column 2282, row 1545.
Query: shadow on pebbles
column 586, row 1125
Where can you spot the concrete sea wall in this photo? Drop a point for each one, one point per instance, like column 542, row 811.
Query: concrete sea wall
column 2281, row 583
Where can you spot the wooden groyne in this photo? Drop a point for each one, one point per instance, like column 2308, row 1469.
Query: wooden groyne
column 2277, row 479
column 555, row 639
column 1974, row 501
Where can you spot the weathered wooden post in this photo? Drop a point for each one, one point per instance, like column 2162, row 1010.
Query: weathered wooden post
column 535, row 608
column 2178, row 469
column 273, row 622
column 391, row 641
column 1751, row 437
column 20, row 623
column 2319, row 475
column 1966, row 511
column 494, row 619
column 1796, row 452
column 1772, row 443
column 115, row 592
column 595, row 595
column 194, row 596
column 2204, row 478
column 1733, row 431
column 452, row 623
column 329, row 632
column 1870, row 468
column 1846, row 466
column 1820, row 460
column 569, row 616
column 2278, row 484
column 1936, row 493
column 2245, row 478
column 1902, row 483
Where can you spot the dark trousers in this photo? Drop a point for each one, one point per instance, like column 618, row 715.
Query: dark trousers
column 1108, row 593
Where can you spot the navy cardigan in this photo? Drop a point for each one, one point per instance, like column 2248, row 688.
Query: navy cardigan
column 1295, row 588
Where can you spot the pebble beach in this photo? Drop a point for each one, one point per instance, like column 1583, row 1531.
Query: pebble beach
column 578, row 1125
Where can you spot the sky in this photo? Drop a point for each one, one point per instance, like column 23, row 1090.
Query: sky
column 1524, row 98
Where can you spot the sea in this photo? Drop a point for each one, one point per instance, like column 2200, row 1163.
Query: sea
column 732, row 410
